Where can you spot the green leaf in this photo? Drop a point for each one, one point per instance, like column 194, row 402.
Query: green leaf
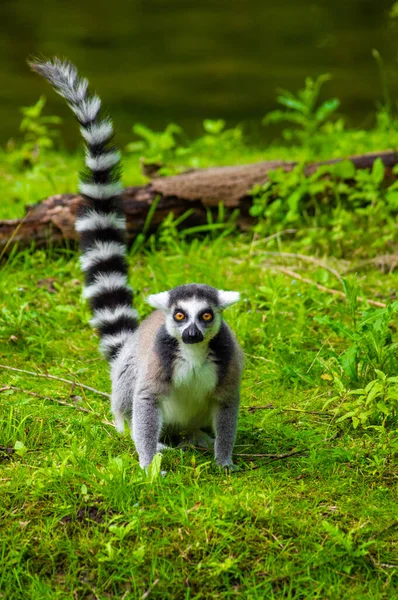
column 292, row 103
column 154, row 470
column 382, row 406
column 348, row 361
column 392, row 199
column 34, row 111
column 344, row 169
column 364, row 416
column 394, row 11
column 348, row 415
column 277, row 116
column 326, row 109
column 135, row 147
column 213, row 127
column 20, row 448
column 336, row 326
column 143, row 131
column 293, row 201
column 378, row 171
column 382, row 376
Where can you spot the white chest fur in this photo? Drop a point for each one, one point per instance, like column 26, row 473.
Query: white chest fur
column 191, row 401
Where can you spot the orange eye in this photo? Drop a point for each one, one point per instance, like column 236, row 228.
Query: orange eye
column 179, row 316
column 207, row 316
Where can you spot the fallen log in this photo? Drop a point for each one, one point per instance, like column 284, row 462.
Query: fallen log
column 52, row 220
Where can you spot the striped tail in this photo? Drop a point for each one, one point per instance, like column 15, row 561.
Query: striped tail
column 101, row 224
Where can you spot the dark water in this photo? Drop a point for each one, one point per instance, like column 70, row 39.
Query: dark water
column 156, row 61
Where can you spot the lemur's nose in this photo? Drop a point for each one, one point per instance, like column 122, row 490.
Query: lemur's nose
column 192, row 335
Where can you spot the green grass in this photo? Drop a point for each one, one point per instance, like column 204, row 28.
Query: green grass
column 80, row 520
column 312, row 511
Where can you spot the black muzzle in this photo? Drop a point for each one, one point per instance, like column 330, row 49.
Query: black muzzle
column 192, row 335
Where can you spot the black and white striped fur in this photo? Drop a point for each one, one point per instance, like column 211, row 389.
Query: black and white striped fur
column 171, row 375
column 101, row 223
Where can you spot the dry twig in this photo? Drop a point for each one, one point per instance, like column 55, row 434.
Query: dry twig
column 149, row 590
column 323, row 288
column 47, row 376
column 252, row 409
column 12, row 236
column 272, row 456
column 273, row 236
column 58, row 401
column 309, row 259
column 386, row 263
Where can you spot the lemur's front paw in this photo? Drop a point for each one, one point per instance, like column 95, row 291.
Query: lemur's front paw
column 227, row 467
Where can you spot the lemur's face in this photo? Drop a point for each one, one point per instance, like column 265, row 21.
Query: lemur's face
column 193, row 320
column 193, row 312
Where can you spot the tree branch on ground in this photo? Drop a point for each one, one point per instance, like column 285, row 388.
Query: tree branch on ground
column 323, row 288
column 52, row 220
column 47, row 376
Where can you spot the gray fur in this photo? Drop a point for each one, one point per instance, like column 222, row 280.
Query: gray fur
column 152, row 403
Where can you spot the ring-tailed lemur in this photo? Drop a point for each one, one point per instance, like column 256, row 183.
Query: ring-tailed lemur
column 180, row 369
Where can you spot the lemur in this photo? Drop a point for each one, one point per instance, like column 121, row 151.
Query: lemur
column 179, row 371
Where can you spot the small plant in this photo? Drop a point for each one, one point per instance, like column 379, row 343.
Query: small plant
column 303, row 110
column 39, row 133
column 367, row 189
column 280, row 201
column 337, row 198
column 394, row 11
column 141, row 237
column 384, row 115
column 170, row 234
column 165, row 150
column 216, row 141
column 371, row 347
column 155, row 146
column 348, row 545
column 375, row 405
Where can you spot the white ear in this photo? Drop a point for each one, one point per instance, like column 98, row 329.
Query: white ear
column 227, row 298
column 160, row 300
